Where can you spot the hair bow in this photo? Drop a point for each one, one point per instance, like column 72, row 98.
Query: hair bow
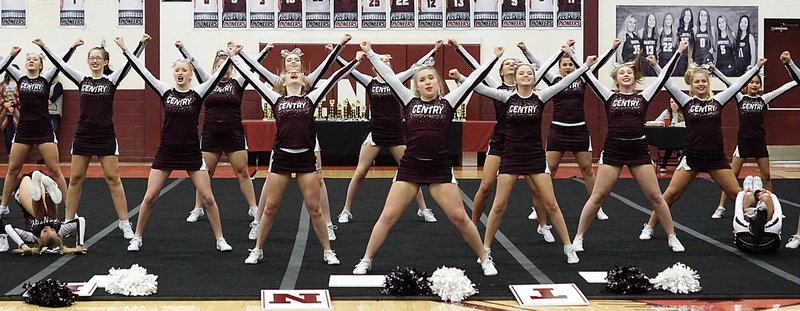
column 296, row 51
column 627, row 64
column 428, row 62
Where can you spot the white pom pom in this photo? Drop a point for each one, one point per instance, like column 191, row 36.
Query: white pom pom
column 678, row 279
column 451, row 284
column 131, row 282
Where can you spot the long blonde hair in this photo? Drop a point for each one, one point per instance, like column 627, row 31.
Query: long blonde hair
column 691, row 70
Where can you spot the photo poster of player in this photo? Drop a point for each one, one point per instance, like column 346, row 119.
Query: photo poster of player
column 262, row 13
column 206, row 14
column 541, row 13
column 513, row 14
column 373, row 14
column 13, row 13
column 569, row 14
column 130, row 13
column 458, row 14
column 345, row 14
column 234, row 14
column 724, row 35
column 431, row 14
column 401, row 15
column 318, row 14
column 71, row 13
column 290, row 14
column 486, row 14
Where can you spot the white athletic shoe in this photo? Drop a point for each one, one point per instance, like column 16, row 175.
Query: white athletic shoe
column 345, row 217
column 51, row 187
column 675, row 244
column 4, row 210
column 363, row 266
column 135, row 244
column 255, row 256
column 427, row 214
column 546, row 234
column 577, row 244
column 252, row 211
column 35, row 187
column 253, row 234
column 195, row 214
column 4, row 243
column 330, row 257
column 488, row 267
column 748, row 183
column 532, row 215
column 601, row 215
column 572, row 257
column 718, row 212
column 794, row 241
column 488, row 253
column 757, row 184
column 331, row 234
column 223, row 245
column 127, row 229
column 647, row 233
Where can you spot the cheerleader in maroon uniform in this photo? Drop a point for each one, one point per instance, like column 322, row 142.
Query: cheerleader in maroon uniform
column 523, row 153
column 425, row 162
column 626, row 144
column 294, row 104
column 385, row 130
column 34, row 129
column 704, row 150
column 752, row 138
column 180, row 147
column 222, row 128
column 95, row 133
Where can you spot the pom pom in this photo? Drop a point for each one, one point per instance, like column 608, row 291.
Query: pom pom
column 678, row 279
column 406, row 282
column 131, row 282
column 627, row 280
column 49, row 293
column 451, row 284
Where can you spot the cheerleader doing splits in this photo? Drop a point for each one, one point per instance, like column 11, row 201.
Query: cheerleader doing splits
column 95, row 134
column 180, row 147
column 294, row 104
column 428, row 116
column 757, row 229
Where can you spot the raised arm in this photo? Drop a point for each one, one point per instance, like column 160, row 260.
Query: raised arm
column 455, row 97
column 360, row 77
column 316, row 75
column 118, row 75
column 603, row 92
column 500, row 95
column 202, row 75
column 72, row 74
column 721, row 76
column 320, row 92
column 51, row 73
column 726, row 95
column 408, row 73
column 606, row 57
column 403, row 93
column 543, row 71
column 679, row 97
column 551, row 91
column 651, row 90
column 157, row 85
column 256, row 65
column 473, row 63
column 263, row 89
column 205, row 88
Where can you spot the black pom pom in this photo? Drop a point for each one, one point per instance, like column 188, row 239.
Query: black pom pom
column 404, row 281
column 627, row 280
column 49, row 293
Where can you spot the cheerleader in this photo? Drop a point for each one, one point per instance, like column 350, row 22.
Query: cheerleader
column 180, row 147
column 523, row 153
column 752, row 137
column 704, row 150
column 95, row 133
column 34, row 129
column 428, row 116
column 757, row 229
column 385, row 130
column 626, row 144
column 294, row 104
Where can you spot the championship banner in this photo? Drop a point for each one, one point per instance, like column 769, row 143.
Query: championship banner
column 458, row 14
column 345, row 14
column 234, row 14
column 513, row 15
column 71, row 13
column 13, row 13
column 290, row 14
column 431, row 14
column 262, row 13
column 541, row 13
column 570, row 13
column 206, row 14
column 130, row 13
column 318, row 14
column 401, row 15
column 373, row 14
column 486, row 14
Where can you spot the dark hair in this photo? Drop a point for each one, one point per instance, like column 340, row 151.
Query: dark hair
column 106, row 69
column 651, row 30
column 739, row 28
column 682, row 24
